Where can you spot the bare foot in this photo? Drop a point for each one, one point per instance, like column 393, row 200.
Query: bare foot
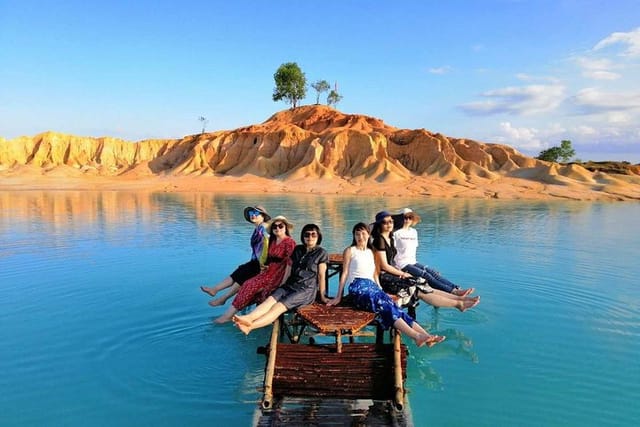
column 241, row 320
column 244, row 328
column 222, row 319
column 217, row 302
column 421, row 339
column 209, row 291
column 463, row 292
column 429, row 340
column 469, row 303
column 435, row 339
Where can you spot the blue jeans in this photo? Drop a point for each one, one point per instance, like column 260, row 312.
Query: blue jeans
column 433, row 278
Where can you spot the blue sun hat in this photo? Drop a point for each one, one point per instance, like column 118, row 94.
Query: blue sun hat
column 258, row 209
column 380, row 216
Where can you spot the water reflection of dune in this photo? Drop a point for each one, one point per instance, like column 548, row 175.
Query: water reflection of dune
column 335, row 214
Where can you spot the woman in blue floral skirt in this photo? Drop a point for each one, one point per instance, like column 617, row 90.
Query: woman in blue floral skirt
column 359, row 270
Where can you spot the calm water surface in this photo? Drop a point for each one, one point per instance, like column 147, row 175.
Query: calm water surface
column 102, row 321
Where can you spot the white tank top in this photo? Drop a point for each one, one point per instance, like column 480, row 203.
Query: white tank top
column 362, row 265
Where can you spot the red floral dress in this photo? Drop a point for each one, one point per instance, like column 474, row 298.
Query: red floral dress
column 259, row 287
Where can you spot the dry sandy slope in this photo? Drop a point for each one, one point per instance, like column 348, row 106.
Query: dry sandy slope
column 312, row 149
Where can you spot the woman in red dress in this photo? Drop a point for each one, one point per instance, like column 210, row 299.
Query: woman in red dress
column 276, row 271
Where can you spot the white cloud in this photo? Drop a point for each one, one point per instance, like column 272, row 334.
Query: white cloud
column 601, row 75
column 525, row 134
column 610, row 139
column 440, row 70
column 590, row 63
column 618, row 117
column 630, row 40
column 597, row 68
column 585, row 130
column 522, row 138
column 593, row 101
column 518, row 100
column 530, row 78
column 599, row 116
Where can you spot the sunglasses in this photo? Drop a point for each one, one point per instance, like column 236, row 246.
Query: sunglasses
column 408, row 217
column 310, row 234
column 254, row 212
column 387, row 222
column 278, row 225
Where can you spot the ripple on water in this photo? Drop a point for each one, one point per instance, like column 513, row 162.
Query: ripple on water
column 162, row 355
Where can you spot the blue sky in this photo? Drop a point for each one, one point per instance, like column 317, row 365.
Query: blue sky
column 523, row 73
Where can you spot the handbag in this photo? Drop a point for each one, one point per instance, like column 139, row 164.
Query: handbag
column 404, row 289
column 393, row 284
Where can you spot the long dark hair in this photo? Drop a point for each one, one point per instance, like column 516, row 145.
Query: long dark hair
column 357, row 227
column 377, row 227
column 311, row 227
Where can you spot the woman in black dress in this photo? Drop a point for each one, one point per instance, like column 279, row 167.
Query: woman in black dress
column 308, row 273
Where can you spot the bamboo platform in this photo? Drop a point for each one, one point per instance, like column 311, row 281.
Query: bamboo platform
column 355, row 371
column 361, row 371
column 338, row 375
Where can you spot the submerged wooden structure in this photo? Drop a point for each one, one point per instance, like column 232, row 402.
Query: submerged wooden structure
column 336, row 373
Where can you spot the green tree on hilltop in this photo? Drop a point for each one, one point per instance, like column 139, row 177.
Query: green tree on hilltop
column 320, row 86
column 291, row 84
column 334, row 97
column 555, row 154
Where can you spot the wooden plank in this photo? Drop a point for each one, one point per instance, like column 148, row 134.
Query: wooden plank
column 361, row 371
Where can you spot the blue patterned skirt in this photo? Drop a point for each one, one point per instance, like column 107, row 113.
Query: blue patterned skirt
column 368, row 296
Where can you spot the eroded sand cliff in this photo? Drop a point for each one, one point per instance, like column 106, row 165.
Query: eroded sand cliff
column 312, row 149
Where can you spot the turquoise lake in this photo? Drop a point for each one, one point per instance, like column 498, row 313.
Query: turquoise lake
column 102, row 322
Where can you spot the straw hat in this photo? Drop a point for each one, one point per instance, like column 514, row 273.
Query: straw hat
column 398, row 219
column 258, row 208
column 282, row 219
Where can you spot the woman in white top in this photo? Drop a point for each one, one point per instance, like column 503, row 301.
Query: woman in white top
column 360, row 271
column 385, row 251
column 406, row 240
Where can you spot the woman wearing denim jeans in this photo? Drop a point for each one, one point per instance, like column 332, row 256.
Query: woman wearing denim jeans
column 385, row 252
column 406, row 241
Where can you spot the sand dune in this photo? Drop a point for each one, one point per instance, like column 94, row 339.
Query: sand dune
column 313, row 149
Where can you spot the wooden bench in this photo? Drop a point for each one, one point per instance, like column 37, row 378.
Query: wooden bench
column 336, row 321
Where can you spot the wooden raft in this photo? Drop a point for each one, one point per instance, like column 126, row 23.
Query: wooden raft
column 357, row 371
column 350, row 371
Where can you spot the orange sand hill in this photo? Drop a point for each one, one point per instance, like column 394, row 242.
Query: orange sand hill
column 312, row 149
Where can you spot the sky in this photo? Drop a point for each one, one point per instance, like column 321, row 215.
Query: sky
column 528, row 74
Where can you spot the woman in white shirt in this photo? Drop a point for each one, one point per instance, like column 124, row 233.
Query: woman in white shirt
column 359, row 270
column 406, row 241
column 385, row 252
